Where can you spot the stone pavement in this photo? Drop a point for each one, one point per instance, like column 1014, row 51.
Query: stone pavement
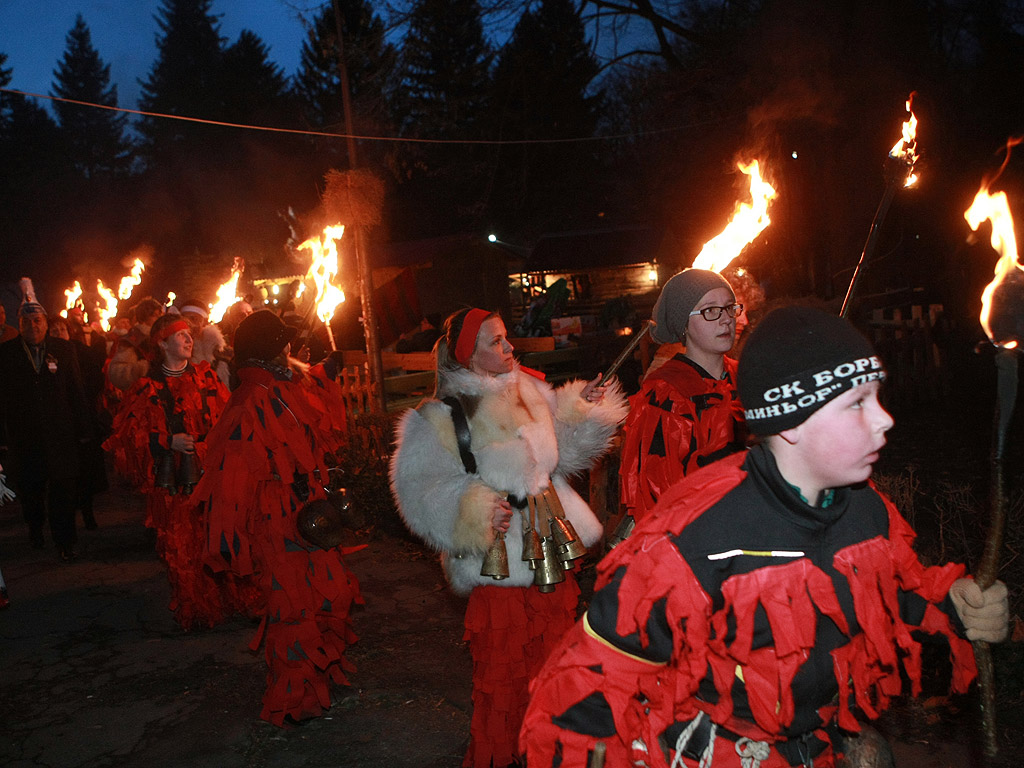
column 95, row 673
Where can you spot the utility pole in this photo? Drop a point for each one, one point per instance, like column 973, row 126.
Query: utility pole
column 364, row 273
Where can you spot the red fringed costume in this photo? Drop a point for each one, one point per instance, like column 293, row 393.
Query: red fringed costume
column 681, row 419
column 265, row 460
column 141, row 437
column 737, row 604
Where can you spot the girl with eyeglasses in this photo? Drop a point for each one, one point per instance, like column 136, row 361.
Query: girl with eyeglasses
column 686, row 414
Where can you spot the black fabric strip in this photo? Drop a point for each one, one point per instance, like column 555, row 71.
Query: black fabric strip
column 462, row 434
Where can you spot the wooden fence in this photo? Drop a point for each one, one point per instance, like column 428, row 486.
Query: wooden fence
column 905, row 338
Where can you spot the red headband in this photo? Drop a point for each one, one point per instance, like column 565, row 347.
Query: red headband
column 467, row 336
column 169, row 330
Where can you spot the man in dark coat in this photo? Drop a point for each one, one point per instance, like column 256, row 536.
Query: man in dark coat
column 44, row 410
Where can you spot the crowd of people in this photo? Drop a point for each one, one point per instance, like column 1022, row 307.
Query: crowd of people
column 762, row 606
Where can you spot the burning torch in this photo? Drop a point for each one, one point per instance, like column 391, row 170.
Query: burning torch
column 323, row 270
column 899, row 174
column 1002, row 317
column 749, row 219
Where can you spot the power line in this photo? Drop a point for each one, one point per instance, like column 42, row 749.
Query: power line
column 329, row 134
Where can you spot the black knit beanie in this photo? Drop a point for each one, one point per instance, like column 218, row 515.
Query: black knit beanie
column 795, row 361
column 261, row 336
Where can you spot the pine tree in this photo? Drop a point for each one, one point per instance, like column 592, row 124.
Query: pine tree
column 253, row 88
column 371, row 64
column 445, row 78
column 542, row 90
column 185, row 79
column 94, row 138
column 445, row 69
column 369, row 59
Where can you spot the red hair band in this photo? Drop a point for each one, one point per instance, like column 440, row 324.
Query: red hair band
column 169, row 330
column 467, row 336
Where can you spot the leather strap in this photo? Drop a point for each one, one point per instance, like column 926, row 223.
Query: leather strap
column 462, row 434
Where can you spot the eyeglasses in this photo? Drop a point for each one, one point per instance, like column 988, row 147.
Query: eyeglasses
column 713, row 313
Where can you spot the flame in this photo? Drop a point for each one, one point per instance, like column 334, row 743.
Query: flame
column 171, row 296
column 226, row 293
column 323, row 270
column 110, row 310
column 748, row 221
column 996, row 208
column 906, row 148
column 128, row 282
column 74, row 296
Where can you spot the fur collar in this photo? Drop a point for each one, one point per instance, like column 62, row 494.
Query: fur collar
column 463, row 381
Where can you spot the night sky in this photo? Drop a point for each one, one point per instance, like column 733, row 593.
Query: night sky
column 124, row 32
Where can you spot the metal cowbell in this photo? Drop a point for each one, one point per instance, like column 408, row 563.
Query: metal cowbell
column 495, row 562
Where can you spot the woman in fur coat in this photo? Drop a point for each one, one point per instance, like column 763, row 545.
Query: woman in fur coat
column 525, row 438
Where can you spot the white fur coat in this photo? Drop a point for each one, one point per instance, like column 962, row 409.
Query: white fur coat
column 206, row 346
column 526, row 436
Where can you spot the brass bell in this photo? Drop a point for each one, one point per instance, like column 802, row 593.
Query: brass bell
column 569, row 544
column 533, row 552
column 549, row 571
column 189, row 472
column 495, row 562
column 165, row 476
column 622, row 531
column 319, row 523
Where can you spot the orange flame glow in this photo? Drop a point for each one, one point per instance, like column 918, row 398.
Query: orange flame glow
column 129, row 281
column 226, row 293
column 110, row 310
column 906, row 148
column 748, row 221
column 73, row 296
column 324, row 269
column 996, row 208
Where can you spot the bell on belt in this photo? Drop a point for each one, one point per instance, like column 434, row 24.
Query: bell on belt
column 622, row 531
column 189, row 472
column 533, row 552
column 496, row 560
column 550, row 570
column 166, row 477
column 569, row 544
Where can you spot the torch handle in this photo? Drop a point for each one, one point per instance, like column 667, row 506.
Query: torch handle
column 625, row 353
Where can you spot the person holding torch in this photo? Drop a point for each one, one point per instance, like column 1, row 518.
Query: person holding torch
column 496, row 445
column 686, row 414
column 770, row 603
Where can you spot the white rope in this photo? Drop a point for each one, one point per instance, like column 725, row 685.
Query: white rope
column 684, row 739
column 752, row 752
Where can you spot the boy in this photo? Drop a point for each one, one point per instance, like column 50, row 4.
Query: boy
column 769, row 599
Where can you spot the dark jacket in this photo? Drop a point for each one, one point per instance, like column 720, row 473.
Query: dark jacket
column 45, row 412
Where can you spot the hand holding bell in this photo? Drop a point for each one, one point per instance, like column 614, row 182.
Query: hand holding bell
column 183, row 443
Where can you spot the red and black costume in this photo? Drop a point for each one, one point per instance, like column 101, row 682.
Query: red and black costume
column 682, row 419
column 738, row 605
column 265, row 460
column 155, row 409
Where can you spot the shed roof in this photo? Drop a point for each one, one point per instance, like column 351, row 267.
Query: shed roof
column 577, row 251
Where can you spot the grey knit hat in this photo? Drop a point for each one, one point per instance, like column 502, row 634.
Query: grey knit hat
column 678, row 298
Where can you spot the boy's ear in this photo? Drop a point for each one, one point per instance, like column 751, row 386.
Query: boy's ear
column 792, row 435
